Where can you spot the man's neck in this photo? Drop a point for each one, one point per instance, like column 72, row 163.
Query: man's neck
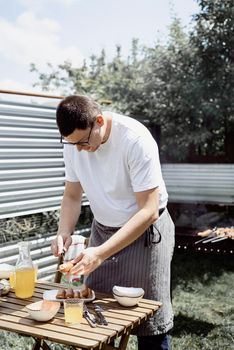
column 108, row 125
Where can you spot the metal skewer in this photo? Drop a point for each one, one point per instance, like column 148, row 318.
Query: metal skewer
column 208, row 238
column 218, row 239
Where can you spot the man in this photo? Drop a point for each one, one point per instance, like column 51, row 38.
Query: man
column 114, row 160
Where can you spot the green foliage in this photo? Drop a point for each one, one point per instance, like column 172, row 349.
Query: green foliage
column 169, row 96
column 214, row 42
column 186, row 85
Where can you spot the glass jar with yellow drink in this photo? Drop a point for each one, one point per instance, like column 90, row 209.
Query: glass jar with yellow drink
column 12, row 279
column 24, row 274
column 73, row 310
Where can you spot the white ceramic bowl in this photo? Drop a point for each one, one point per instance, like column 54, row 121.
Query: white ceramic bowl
column 43, row 310
column 5, row 270
column 127, row 296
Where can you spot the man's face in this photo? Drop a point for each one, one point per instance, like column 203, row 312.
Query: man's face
column 86, row 140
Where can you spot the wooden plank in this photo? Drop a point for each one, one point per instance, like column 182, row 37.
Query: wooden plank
column 48, row 286
column 9, row 325
column 137, row 313
column 149, row 302
column 111, row 305
column 84, row 326
column 145, row 305
column 55, row 325
column 49, row 327
column 114, row 329
column 135, row 310
column 148, row 307
column 121, row 315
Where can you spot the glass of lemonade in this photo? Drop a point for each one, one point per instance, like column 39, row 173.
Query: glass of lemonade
column 12, row 279
column 73, row 310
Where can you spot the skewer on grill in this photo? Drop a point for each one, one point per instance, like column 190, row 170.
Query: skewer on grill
column 216, row 235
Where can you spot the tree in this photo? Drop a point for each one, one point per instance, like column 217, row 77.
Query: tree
column 214, row 40
column 185, row 86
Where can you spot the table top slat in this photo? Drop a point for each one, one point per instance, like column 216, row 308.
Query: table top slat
column 116, row 325
column 55, row 326
column 84, row 326
column 27, row 329
column 115, row 308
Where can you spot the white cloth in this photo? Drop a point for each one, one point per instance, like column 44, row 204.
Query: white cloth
column 78, row 244
column 128, row 162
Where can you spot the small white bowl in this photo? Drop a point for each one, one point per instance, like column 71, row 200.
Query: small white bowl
column 43, row 310
column 5, row 270
column 127, row 296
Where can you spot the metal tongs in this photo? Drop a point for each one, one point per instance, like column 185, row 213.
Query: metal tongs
column 89, row 317
column 100, row 317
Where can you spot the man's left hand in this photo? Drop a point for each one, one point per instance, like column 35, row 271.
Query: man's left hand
column 87, row 261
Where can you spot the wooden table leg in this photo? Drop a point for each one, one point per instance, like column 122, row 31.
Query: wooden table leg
column 45, row 346
column 122, row 345
column 124, row 341
column 37, row 345
column 40, row 344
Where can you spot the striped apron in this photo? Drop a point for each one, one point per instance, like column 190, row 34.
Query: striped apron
column 145, row 263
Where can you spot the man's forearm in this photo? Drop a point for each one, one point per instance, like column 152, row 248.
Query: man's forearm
column 69, row 215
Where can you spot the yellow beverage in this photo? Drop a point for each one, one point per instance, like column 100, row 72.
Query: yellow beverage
column 12, row 279
column 24, row 282
column 73, row 311
column 35, row 272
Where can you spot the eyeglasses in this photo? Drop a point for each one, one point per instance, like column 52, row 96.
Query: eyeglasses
column 79, row 143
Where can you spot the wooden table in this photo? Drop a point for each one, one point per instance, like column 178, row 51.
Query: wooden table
column 121, row 320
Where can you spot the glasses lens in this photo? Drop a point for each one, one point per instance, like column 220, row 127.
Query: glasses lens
column 80, row 143
column 65, row 142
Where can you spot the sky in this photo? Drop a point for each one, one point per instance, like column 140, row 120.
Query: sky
column 42, row 31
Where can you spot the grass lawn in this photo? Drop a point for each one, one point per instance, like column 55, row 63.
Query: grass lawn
column 203, row 299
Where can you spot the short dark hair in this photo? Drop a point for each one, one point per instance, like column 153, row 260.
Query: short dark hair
column 76, row 112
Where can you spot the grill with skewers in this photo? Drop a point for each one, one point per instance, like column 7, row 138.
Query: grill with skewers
column 212, row 240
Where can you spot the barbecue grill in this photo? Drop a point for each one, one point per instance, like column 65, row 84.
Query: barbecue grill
column 188, row 239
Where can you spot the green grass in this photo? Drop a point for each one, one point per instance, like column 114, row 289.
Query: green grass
column 203, row 300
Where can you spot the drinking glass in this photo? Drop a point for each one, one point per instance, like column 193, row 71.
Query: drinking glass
column 73, row 310
column 12, row 279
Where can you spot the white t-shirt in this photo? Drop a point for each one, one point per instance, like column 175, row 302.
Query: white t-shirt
column 127, row 162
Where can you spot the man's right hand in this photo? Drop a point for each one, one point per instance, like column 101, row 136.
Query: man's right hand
column 61, row 244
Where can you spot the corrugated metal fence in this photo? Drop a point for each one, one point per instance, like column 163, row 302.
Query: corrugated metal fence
column 200, row 183
column 32, row 168
column 31, row 175
column 31, row 160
